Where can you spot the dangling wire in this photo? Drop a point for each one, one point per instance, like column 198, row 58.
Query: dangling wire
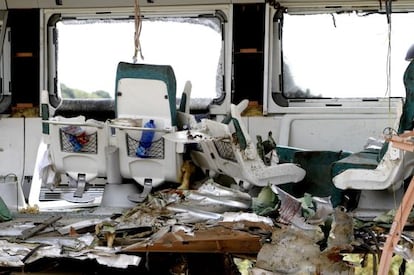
column 388, row 10
column 333, row 19
column 138, row 26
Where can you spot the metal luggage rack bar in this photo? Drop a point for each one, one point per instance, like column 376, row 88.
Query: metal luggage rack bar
column 122, row 127
column 99, row 126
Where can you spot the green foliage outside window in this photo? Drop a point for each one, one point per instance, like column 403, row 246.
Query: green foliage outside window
column 71, row 93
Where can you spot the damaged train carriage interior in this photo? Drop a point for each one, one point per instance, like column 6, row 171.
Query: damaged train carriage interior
column 206, row 137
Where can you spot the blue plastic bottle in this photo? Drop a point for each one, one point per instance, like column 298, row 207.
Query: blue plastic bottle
column 146, row 140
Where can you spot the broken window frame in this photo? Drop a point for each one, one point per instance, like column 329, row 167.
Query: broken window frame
column 277, row 101
column 5, row 59
column 51, row 17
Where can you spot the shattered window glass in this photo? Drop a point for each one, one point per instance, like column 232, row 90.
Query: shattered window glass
column 345, row 55
column 88, row 52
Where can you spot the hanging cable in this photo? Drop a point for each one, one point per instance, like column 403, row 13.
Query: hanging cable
column 137, row 34
column 388, row 10
column 23, row 165
column 333, row 19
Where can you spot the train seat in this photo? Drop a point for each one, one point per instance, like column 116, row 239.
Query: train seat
column 74, row 150
column 185, row 120
column 230, row 151
column 77, row 149
column 145, row 93
column 384, row 169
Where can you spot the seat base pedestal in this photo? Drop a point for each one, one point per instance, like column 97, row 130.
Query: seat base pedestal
column 140, row 197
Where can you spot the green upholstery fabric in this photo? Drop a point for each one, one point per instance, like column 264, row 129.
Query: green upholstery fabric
column 406, row 121
column 183, row 103
column 239, row 134
column 5, row 214
column 286, row 154
column 164, row 73
column 318, row 166
column 363, row 160
column 318, row 180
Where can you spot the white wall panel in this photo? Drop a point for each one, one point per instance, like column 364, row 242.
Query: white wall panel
column 18, row 145
column 348, row 132
column 11, row 146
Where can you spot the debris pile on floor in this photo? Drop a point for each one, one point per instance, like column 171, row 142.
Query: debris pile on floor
column 278, row 233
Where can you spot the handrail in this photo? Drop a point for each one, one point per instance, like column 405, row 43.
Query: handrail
column 100, row 126
column 122, row 127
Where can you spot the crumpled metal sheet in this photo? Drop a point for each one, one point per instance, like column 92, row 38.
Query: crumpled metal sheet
column 209, row 199
column 209, row 187
column 14, row 229
column 108, row 257
column 209, row 202
column 65, row 243
column 15, row 254
column 240, row 216
column 192, row 214
column 290, row 209
column 12, row 254
column 81, row 224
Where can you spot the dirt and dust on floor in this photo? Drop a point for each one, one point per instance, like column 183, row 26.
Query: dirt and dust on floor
column 210, row 229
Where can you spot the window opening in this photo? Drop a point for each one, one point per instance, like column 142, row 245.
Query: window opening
column 344, row 55
column 88, row 52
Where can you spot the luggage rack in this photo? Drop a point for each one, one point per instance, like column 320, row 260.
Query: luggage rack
column 224, row 149
column 155, row 151
column 70, row 143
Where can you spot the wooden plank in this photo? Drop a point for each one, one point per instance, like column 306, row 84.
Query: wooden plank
column 403, row 142
column 210, row 240
column 396, row 229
